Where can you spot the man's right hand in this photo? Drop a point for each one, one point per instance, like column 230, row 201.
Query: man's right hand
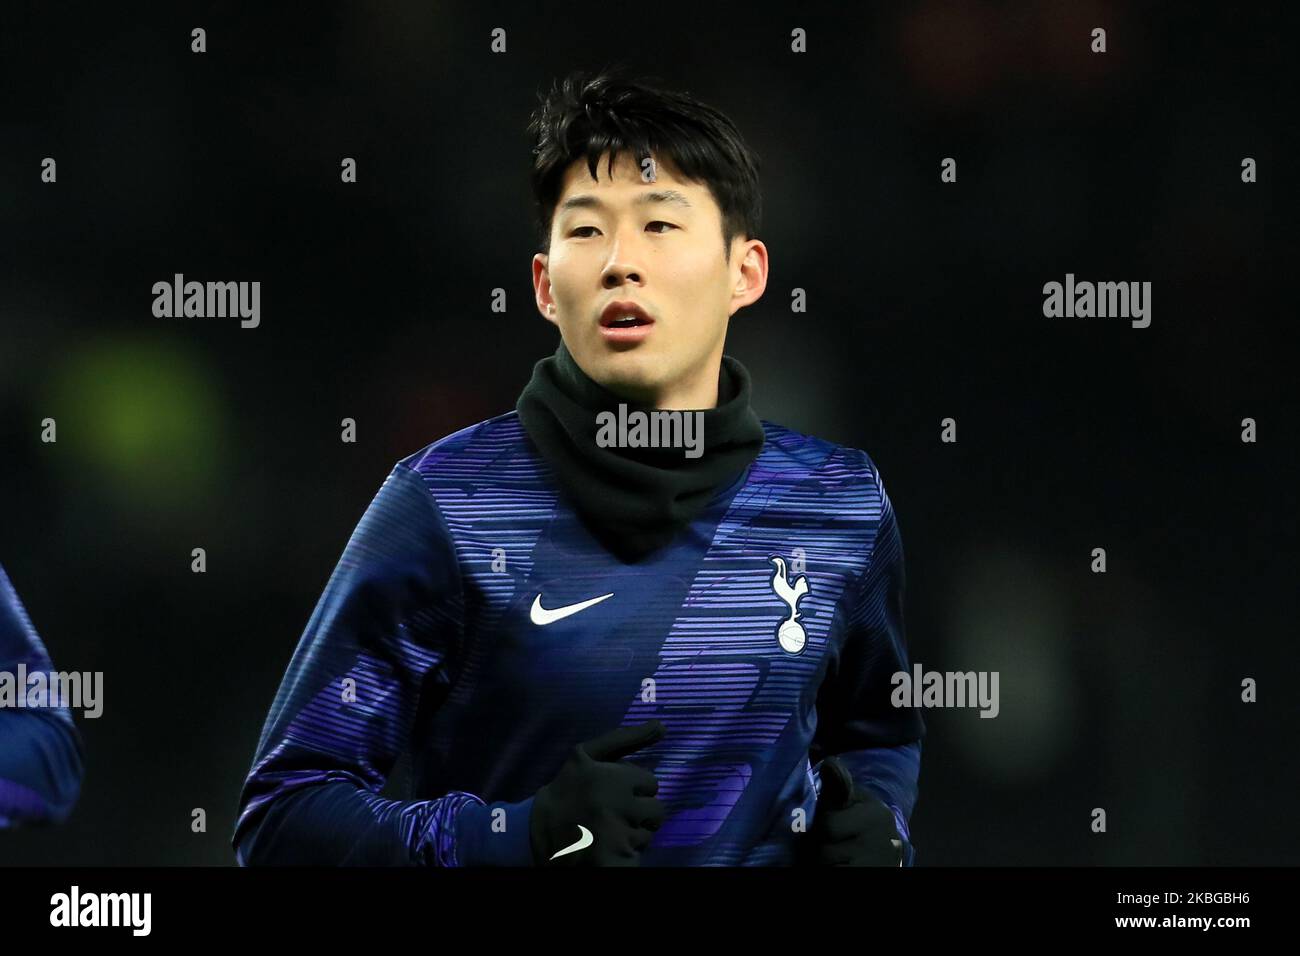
column 599, row 811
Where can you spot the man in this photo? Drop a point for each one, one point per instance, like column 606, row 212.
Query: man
column 597, row 652
column 40, row 749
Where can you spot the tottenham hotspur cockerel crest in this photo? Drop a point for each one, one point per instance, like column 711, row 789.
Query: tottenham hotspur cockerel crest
column 790, row 632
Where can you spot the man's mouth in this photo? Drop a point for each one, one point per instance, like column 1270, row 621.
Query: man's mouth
column 624, row 315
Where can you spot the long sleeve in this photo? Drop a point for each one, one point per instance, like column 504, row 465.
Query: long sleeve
column 878, row 743
column 41, row 751
column 384, row 640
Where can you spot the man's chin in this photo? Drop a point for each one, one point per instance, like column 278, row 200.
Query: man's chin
column 627, row 378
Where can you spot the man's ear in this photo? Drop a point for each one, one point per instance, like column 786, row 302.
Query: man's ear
column 542, row 288
column 752, row 279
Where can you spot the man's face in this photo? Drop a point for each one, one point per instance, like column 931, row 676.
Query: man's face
column 658, row 244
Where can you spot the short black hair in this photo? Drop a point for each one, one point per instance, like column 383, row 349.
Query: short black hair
column 587, row 114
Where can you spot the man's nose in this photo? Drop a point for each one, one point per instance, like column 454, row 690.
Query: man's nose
column 616, row 275
column 623, row 258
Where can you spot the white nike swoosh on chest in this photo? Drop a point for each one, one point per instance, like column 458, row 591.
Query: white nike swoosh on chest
column 543, row 616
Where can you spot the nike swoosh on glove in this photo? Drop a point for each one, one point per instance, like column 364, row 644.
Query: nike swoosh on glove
column 851, row 826
column 598, row 792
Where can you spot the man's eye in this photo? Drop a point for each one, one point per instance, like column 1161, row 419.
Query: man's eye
column 657, row 222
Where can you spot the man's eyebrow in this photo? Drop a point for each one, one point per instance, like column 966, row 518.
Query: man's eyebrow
column 654, row 196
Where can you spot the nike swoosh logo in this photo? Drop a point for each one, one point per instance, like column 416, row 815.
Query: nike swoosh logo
column 584, row 841
column 543, row 616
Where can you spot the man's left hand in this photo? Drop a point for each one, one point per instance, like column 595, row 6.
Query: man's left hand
column 851, row 826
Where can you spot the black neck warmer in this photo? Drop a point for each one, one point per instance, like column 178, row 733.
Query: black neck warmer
column 635, row 500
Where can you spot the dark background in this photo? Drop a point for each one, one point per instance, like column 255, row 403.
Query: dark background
column 1119, row 691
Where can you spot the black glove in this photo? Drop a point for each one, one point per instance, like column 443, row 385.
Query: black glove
column 599, row 811
column 851, row 826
